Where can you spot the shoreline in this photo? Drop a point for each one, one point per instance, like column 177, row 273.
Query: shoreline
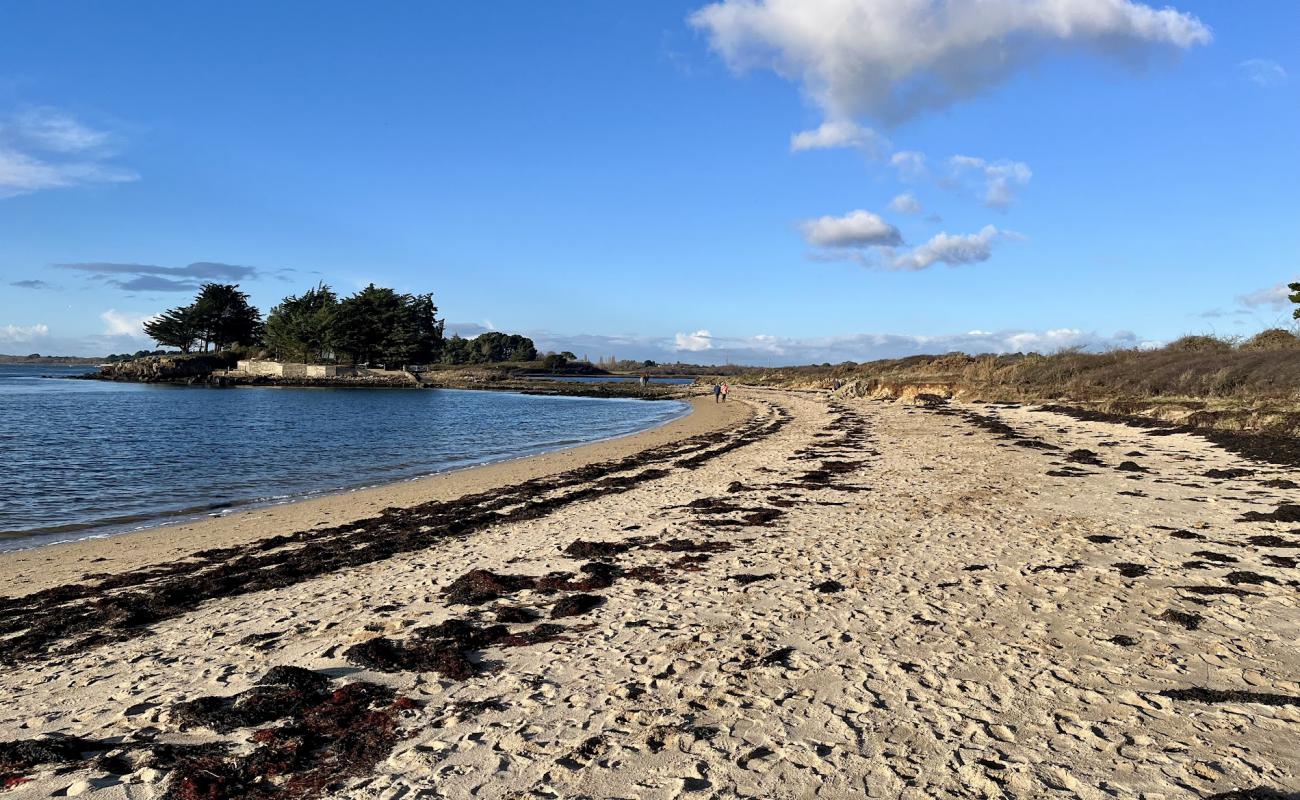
column 43, row 565
column 974, row 585
column 11, row 542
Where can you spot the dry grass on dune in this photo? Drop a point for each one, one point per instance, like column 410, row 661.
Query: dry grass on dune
column 1196, row 372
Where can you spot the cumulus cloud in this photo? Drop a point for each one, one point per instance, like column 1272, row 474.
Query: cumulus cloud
column 841, row 133
column 999, row 179
column 906, row 203
column 153, row 278
column 693, row 342
column 124, row 323
column 44, row 148
column 855, row 229
column 953, row 250
column 14, row 334
column 892, row 59
column 1263, row 71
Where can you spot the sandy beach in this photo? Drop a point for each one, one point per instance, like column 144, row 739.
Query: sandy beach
column 791, row 595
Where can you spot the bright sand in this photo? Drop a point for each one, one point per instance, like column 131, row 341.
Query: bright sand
column 974, row 646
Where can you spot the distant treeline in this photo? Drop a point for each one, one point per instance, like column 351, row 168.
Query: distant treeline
column 375, row 325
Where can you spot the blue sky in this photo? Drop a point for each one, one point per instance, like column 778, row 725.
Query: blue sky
column 769, row 181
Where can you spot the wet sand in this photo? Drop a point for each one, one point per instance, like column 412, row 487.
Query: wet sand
column 826, row 598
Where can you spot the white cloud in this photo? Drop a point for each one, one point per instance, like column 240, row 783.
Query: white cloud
column 892, row 59
column 1000, row 179
column 769, row 350
column 1276, row 297
column 953, row 250
column 841, row 133
column 696, row 342
column 13, row 334
column 46, row 149
column 910, row 164
column 124, row 323
column 1263, row 71
column 52, row 130
column 855, row 229
column 906, row 203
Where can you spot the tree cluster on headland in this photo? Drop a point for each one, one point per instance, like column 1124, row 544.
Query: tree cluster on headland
column 376, row 325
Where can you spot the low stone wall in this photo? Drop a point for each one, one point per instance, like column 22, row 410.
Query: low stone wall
column 289, row 369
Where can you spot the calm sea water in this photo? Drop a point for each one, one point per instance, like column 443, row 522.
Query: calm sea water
column 85, row 458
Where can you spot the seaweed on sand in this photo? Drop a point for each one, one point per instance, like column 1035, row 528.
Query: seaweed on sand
column 77, row 616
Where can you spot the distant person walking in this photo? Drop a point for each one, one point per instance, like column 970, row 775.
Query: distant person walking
column 717, row 393
column 725, row 390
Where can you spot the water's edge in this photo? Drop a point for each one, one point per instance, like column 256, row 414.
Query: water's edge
column 16, row 541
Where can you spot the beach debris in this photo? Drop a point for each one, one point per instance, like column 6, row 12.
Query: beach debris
column 283, row 691
column 829, row 587
column 1286, row 512
column 20, row 756
column 575, row 604
column 691, row 546
column 1272, row 541
column 1035, row 444
column 744, row 579
column 343, row 734
column 584, row 549
column 1188, row 620
column 1210, row 555
column 326, row 735
column 1229, row 474
column 1059, row 569
column 1211, row 591
column 480, row 585
column 778, row 657
column 1083, row 456
column 444, row 648
column 1280, row 483
column 1246, row 576
column 1200, row 694
column 516, row 614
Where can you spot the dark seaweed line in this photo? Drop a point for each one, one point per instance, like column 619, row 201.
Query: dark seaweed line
column 35, row 623
column 1281, row 450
